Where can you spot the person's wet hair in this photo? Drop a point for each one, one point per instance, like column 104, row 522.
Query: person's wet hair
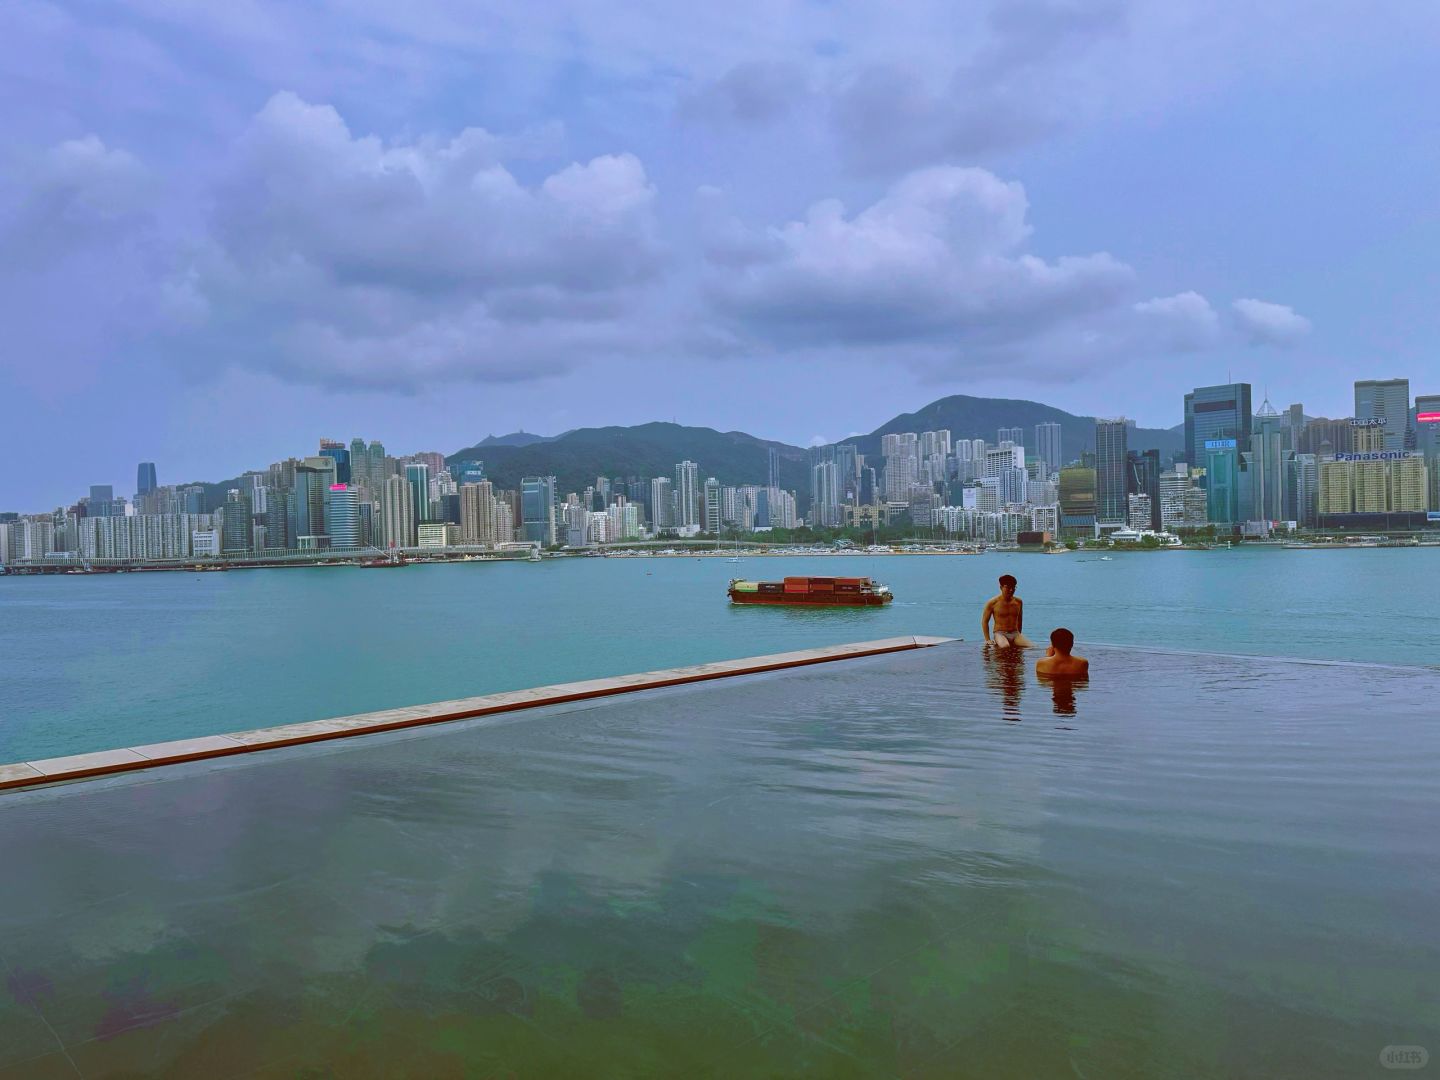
column 1008, row 579
column 1062, row 639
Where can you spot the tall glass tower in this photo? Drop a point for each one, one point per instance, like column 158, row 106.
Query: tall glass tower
column 417, row 475
column 145, row 478
column 1216, row 412
column 342, row 516
column 1388, row 400
column 1111, row 487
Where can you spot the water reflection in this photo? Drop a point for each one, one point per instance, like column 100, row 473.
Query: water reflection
column 1063, row 692
column 1005, row 675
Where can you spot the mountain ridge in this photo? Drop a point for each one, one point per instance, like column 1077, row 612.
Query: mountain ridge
column 575, row 458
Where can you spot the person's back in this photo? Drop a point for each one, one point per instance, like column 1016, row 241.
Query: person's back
column 1059, row 661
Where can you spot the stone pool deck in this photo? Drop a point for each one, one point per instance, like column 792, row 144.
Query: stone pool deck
column 24, row 774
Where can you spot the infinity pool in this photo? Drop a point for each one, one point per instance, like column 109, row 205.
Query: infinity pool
column 925, row 864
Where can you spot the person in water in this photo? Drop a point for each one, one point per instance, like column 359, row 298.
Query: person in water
column 1059, row 662
column 1008, row 611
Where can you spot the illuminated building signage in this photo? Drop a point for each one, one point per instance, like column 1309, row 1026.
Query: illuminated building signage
column 339, row 487
column 1376, row 455
column 1428, row 418
column 1222, row 444
column 1371, row 421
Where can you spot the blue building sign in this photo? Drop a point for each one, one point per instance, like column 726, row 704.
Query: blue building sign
column 1219, row 444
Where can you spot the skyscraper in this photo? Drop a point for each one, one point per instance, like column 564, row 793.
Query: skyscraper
column 417, row 475
column 774, row 470
column 662, row 502
column 713, row 518
column 236, row 535
column 1047, row 446
column 397, row 514
column 1222, row 475
column 1427, row 442
column 337, row 452
column 1143, row 478
column 342, row 516
column 1216, row 412
column 313, row 478
column 1012, row 435
column 360, row 466
column 687, row 495
column 1111, row 443
column 1077, row 500
column 145, row 478
column 1269, row 467
column 1388, row 400
column 537, row 503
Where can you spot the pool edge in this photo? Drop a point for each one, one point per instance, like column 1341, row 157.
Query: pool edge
column 46, row 771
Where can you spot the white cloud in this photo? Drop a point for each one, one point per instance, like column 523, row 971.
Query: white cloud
column 1264, row 323
column 1180, row 323
column 344, row 260
column 939, row 258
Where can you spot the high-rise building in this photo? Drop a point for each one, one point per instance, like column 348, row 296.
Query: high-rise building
column 381, row 467
column 662, row 502
column 313, row 478
column 824, row 494
column 236, row 535
column 1216, row 412
column 687, row 495
column 1325, row 438
column 417, row 475
column 336, row 452
column 1011, row 435
column 397, row 514
column 1387, row 400
column 537, row 502
column 774, row 470
column 342, row 516
column 1142, row 477
column 1409, row 485
column 1427, row 442
column 1305, row 490
column 477, row 513
column 1269, row 465
column 713, row 517
column 901, row 451
column 145, row 478
column 1138, row 511
column 1048, row 445
column 1295, row 425
column 1111, row 448
column 1077, row 500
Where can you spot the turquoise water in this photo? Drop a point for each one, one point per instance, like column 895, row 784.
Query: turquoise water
column 97, row 662
column 922, row 865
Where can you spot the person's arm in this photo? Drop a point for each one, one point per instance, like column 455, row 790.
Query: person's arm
column 985, row 619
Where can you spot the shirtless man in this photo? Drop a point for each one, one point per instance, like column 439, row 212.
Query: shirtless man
column 1008, row 611
column 1058, row 662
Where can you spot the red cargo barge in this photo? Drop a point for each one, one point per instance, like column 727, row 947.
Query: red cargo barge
column 822, row 591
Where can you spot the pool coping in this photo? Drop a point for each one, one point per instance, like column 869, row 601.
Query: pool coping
column 25, row 774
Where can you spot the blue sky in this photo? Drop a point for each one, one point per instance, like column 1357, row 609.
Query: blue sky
column 233, row 229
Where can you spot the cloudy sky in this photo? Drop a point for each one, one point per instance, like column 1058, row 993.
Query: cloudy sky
column 230, row 229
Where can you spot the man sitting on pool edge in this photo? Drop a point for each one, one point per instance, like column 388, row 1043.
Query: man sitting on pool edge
column 1058, row 662
column 1008, row 611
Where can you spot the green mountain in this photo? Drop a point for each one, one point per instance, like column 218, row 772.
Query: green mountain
column 576, row 458
column 981, row 418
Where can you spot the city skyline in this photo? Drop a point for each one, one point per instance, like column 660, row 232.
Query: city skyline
column 1238, row 471
column 245, row 459
column 469, row 217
